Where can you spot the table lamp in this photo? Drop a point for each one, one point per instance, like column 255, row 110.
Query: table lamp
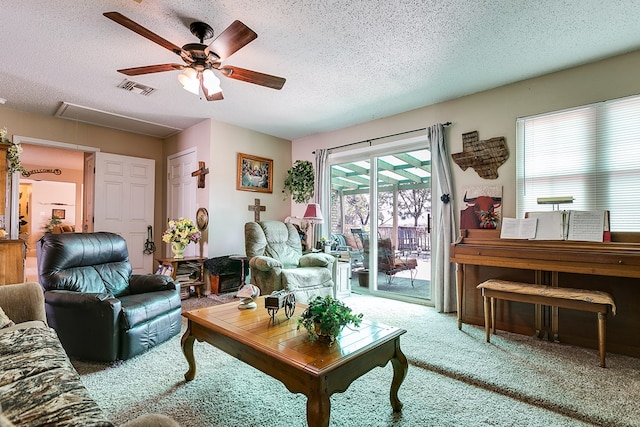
column 313, row 215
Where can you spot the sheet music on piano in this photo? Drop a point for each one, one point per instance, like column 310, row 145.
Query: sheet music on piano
column 552, row 225
column 513, row 228
column 588, row 226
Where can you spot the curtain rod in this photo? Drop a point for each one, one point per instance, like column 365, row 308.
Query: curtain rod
column 380, row 137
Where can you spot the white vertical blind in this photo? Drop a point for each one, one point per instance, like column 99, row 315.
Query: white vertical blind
column 591, row 153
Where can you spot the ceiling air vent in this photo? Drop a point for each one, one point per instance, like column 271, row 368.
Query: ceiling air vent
column 136, row 87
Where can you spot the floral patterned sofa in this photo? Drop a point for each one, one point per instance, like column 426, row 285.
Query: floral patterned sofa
column 38, row 383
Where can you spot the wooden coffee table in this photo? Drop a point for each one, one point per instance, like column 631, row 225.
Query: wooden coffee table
column 280, row 350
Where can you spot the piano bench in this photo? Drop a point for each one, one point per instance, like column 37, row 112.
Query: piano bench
column 571, row 298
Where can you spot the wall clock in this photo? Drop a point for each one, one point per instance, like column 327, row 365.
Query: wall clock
column 202, row 218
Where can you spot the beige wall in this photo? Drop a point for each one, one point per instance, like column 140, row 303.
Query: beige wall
column 107, row 140
column 493, row 113
column 218, row 145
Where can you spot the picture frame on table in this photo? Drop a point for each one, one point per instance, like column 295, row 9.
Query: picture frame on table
column 254, row 173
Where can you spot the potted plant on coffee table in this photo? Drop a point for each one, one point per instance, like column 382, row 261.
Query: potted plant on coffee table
column 325, row 317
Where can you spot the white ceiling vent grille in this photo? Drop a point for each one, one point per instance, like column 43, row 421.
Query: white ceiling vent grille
column 114, row 121
column 136, row 87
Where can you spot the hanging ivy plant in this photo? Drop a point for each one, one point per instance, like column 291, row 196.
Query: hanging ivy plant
column 13, row 153
column 299, row 181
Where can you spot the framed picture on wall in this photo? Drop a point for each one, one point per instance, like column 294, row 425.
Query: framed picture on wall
column 254, row 173
column 60, row 213
column 482, row 207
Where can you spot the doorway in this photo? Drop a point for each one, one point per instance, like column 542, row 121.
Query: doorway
column 383, row 224
column 47, row 192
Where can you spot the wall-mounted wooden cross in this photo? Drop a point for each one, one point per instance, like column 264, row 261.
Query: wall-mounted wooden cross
column 257, row 208
column 200, row 173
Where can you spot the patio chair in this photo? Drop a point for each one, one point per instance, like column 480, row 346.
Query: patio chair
column 353, row 244
column 389, row 262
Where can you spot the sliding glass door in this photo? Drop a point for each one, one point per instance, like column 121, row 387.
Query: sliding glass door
column 383, row 225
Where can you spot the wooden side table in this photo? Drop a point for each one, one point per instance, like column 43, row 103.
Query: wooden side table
column 12, row 258
column 175, row 263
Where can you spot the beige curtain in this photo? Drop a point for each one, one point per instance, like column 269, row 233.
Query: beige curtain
column 443, row 270
column 322, row 187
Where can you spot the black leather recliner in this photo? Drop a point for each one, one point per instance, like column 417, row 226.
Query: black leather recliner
column 100, row 310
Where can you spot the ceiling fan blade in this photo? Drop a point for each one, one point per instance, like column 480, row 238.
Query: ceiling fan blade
column 253, row 77
column 210, row 97
column 133, row 26
column 233, row 38
column 213, row 97
column 136, row 71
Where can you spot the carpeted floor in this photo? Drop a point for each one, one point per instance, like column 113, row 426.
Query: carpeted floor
column 454, row 379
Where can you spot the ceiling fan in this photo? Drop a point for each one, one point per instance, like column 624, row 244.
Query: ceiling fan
column 200, row 59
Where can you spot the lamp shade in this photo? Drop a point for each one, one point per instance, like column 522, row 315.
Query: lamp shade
column 210, row 81
column 188, row 76
column 189, row 81
column 313, row 213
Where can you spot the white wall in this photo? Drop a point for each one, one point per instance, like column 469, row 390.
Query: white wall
column 49, row 195
column 218, row 144
column 493, row 113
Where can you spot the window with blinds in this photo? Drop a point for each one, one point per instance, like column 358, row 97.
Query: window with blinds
column 591, row 153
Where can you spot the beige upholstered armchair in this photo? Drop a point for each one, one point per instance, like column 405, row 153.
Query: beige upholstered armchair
column 275, row 257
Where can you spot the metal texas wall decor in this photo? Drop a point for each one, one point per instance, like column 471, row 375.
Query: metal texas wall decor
column 484, row 156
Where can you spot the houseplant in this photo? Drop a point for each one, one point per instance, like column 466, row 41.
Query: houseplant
column 325, row 317
column 13, row 153
column 299, row 181
column 52, row 223
column 180, row 233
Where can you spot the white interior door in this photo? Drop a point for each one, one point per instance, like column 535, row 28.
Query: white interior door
column 181, row 200
column 123, row 203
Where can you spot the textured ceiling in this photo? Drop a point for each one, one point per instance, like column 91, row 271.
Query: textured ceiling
column 346, row 62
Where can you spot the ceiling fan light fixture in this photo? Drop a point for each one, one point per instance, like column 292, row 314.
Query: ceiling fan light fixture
column 189, row 80
column 192, row 87
column 201, row 59
column 187, row 76
column 210, row 81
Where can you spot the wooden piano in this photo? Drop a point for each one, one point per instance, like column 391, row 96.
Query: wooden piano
column 613, row 267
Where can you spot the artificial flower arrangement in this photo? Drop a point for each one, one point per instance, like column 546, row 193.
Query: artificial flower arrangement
column 488, row 219
column 13, row 153
column 181, row 230
column 325, row 244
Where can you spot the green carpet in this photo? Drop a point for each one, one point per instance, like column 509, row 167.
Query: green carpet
column 454, row 379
